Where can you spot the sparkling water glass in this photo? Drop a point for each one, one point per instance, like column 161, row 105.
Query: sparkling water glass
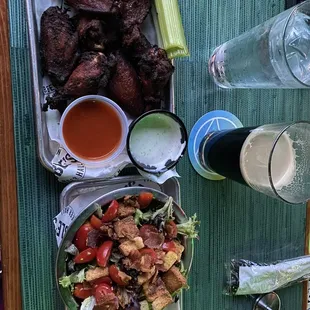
column 275, row 54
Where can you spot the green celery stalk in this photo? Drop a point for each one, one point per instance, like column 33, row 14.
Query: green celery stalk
column 172, row 32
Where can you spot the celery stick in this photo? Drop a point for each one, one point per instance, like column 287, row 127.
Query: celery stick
column 171, row 28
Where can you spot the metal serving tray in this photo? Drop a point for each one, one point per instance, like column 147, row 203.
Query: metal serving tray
column 94, row 189
column 45, row 146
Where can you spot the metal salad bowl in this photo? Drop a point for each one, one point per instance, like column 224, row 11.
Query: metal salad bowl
column 61, row 261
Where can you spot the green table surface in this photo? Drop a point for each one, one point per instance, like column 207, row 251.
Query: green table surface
column 235, row 221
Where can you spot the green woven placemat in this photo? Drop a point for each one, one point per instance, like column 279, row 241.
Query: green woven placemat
column 235, row 221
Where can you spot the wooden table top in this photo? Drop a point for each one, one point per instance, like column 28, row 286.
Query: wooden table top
column 8, row 194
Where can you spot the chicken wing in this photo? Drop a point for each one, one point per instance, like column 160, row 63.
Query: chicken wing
column 153, row 66
column 154, row 70
column 125, row 88
column 97, row 34
column 92, row 73
column 135, row 42
column 134, row 11
column 94, row 6
column 58, row 45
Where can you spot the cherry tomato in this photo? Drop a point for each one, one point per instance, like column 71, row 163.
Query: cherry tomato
column 171, row 229
column 95, row 222
column 111, row 212
column 101, row 291
column 149, row 252
column 144, row 199
column 81, row 236
column 146, row 229
column 169, row 246
column 97, row 282
column 104, row 252
column 82, row 291
column 106, row 280
column 86, row 256
column 119, row 277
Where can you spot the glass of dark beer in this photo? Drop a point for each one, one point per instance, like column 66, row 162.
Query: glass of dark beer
column 272, row 159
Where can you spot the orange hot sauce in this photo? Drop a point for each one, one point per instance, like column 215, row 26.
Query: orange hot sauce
column 92, row 130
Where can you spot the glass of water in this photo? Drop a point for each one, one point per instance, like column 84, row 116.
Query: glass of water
column 272, row 159
column 275, row 54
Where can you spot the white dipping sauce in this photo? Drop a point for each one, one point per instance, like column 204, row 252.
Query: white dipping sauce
column 254, row 159
column 156, row 140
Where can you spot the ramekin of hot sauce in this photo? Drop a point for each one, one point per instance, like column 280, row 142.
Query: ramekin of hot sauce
column 93, row 130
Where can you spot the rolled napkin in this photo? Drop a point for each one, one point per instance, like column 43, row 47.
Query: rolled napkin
column 247, row 277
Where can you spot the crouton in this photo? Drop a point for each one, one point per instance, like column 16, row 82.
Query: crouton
column 162, row 302
column 131, row 201
column 126, row 228
column 144, row 305
column 124, row 211
column 179, row 249
column 153, row 290
column 169, row 260
column 130, row 245
column 144, row 277
column 96, row 273
column 173, row 279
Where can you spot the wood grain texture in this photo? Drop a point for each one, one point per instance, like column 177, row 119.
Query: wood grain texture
column 8, row 195
column 307, row 252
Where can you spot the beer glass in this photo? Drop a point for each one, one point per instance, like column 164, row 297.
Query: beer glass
column 272, row 159
column 275, row 54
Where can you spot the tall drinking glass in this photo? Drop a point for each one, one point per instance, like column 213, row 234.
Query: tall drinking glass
column 272, row 159
column 275, row 54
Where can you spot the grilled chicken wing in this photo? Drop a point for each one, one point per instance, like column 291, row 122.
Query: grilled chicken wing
column 92, row 72
column 97, row 34
column 58, row 45
column 134, row 12
column 153, row 66
column 125, row 87
column 154, row 70
column 94, row 6
column 135, row 42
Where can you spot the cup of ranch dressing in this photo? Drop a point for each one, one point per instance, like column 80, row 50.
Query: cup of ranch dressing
column 156, row 141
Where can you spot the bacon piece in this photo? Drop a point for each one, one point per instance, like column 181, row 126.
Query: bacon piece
column 146, row 263
column 125, row 211
column 107, row 229
column 131, row 201
column 133, row 261
column 107, row 302
column 126, row 228
column 154, row 240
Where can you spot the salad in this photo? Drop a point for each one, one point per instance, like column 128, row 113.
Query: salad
column 128, row 255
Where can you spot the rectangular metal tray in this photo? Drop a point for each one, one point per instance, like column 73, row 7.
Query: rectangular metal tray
column 44, row 143
column 94, row 189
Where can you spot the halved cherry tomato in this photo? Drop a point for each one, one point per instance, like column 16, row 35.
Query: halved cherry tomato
column 169, row 246
column 101, row 291
column 111, row 212
column 82, row 291
column 106, row 280
column 104, row 253
column 171, row 229
column 95, row 222
column 119, row 277
column 81, row 236
column 86, row 256
column 97, row 282
column 146, row 229
column 149, row 252
column 144, row 199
